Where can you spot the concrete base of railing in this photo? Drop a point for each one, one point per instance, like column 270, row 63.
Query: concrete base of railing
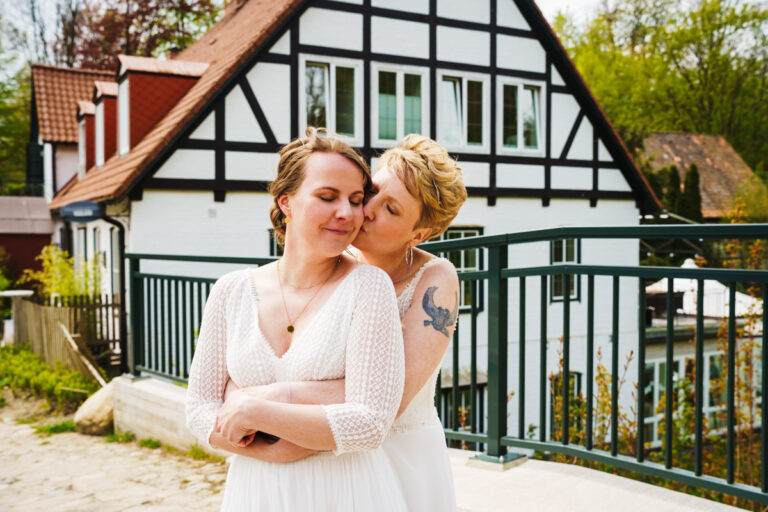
column 502, row 463
column 152, row 408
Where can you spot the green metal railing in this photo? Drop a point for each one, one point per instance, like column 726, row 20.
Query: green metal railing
column 498, row 436
column 166, row 309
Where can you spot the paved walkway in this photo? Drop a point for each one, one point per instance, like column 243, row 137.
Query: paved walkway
column 75, row 473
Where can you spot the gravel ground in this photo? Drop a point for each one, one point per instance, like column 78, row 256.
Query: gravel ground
column 77, row 473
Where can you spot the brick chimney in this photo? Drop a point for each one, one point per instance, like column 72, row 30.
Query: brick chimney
column 105, row 102
column 86, row 144
column 148, row 89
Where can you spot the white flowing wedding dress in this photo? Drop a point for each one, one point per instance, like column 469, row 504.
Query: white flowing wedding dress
column 416, row 444
column 355, row 335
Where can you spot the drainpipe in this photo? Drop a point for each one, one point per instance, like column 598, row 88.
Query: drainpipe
column 123, row 315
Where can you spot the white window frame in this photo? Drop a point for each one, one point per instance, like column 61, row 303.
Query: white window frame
column 99, row 129
column 400, row 71
column 463, row 147
column 81, row 149
column 123, row 118
column 332, row 63
column 467, row 231
column 520, row 149
column 575, row 296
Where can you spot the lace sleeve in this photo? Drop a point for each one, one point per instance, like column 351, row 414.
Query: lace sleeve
column 374, row 367
column 208, row 373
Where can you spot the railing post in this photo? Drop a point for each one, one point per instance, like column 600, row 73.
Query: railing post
column 497, row 351
column 137, row 345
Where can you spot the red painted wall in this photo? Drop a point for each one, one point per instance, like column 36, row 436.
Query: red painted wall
column 90, row 142
column 23, row 249
column 152, row 96
column 110, row 126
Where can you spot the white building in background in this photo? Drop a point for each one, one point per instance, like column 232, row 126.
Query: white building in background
column 199, row 134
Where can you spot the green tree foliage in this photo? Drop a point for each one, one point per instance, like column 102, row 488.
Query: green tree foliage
column 666, row 65
column 14, row 124
column 63, row 275
column 690, row 200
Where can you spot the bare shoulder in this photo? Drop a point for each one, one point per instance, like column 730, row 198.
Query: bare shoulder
column 440, row 273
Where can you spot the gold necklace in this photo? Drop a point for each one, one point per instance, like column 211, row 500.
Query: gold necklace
column 282, row 295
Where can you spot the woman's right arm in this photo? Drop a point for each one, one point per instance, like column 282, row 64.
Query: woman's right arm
column 208, row 373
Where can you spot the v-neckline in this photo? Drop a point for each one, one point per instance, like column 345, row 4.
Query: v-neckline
column 255, row 298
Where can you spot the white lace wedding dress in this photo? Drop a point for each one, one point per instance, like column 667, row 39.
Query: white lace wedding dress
column 416, row 444
column 357, row 335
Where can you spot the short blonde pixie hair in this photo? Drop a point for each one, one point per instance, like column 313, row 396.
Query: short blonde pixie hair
column 290, row 170
column 431, row 175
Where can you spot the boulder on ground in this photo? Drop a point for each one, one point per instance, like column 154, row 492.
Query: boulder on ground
column 94, row 417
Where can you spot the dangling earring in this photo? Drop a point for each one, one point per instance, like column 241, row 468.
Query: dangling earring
column 409, row 256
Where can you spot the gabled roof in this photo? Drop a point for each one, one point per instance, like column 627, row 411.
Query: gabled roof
column 722, row 172
column 56, row 93
column 228, row 45
column 104, row 88
column 85, row 108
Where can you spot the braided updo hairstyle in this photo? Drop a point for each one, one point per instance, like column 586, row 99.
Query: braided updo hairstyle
column 290, row 170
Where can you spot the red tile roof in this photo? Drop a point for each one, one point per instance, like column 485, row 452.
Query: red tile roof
column 226, row 47
column 56, row 93
column 722, row 172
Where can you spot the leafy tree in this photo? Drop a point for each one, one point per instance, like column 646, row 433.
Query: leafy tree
column 14, row 124
column 690, row 200
column 140, row 27
column 665, row 65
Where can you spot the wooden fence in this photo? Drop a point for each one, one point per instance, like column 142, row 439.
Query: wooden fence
column 92, row 323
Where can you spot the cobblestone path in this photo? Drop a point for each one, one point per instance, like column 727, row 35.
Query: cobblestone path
column 76, row 473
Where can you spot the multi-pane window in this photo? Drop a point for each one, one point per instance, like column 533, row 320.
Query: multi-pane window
column 274, row 249
column 97, row 244
column 466, row 260
column 331, row 97
column 114, row 240
column 564, row 251
column 462, row 112
column 400, row 106
column 683, row 371
column 520, row 116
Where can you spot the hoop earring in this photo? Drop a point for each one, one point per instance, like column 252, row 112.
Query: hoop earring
column 409, row 256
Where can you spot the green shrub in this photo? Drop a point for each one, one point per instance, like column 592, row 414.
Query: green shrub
column 21, row 369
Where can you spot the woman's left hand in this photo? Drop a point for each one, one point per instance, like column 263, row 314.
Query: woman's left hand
column 233, row 421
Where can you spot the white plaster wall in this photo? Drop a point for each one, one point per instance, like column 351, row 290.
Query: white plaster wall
column 612, row 179
column 124, row 117
column 556, row 78
column 581, row 149
column 398, row 37
column 419, row 6
column 251, row 166
column 324, row 27
column 271, row 84
column 564, row 112
column 508, row 15
column 602, row 152
column 48, row 171
column 66, row 159
column 478, row 12
column 476, row 174
column 196, row 164
column 240, row 124
column 522, row 53
column 520, row 176
column 282, row 45
column 197, row 225
column 462, row 45
column 207, row 129
column 572, row 178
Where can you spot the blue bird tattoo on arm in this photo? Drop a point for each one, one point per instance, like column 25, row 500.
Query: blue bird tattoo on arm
column 441, row 318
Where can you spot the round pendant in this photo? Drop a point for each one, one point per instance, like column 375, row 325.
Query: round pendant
column 290, row 328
